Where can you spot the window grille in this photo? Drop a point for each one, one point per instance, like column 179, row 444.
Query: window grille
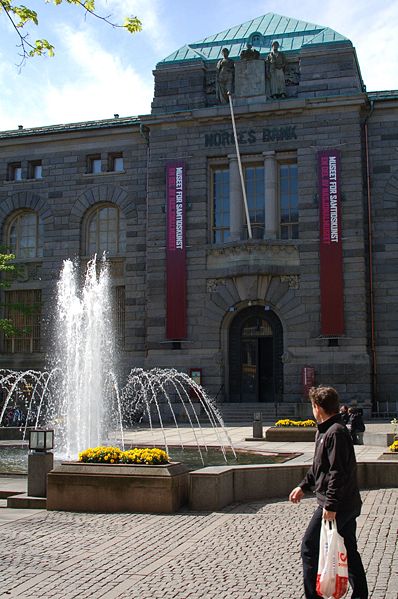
column 23, row 308
column 288, row 201
column 221, row 215
column 25, row 235
column 120, row 302
column 106, row 231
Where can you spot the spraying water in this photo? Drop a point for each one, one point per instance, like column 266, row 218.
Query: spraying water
column 79, row 395
column 85, row 354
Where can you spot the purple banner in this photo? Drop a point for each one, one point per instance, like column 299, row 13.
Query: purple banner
column 331, row 247
column 176, row 319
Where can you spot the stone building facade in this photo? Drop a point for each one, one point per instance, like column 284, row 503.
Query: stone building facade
column 267, row 314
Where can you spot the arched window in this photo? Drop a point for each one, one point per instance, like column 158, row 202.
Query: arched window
column 25, row 235
column 105, row 231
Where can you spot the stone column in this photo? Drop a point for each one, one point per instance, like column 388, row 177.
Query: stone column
column 270, row 196
column 235, row 198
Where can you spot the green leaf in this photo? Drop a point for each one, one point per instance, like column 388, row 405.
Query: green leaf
column 132, row 24
column 22, row 16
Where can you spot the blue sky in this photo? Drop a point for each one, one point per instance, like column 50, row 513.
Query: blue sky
column 97, row 71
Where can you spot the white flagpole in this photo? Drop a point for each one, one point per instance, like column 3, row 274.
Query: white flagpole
column 242, row 180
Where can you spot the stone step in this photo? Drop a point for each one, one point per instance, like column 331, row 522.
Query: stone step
column 23, row 501
column 239, row 412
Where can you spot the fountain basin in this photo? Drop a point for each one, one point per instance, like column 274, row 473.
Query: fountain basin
column 82, row 487
column 290, row 433
column 14, row 458
column 14, row 433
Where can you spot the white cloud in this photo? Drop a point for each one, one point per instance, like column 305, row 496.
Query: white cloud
column 95, row 85
column 377, row 49
column 150, row 13
column 370, row 27
column 104, row 85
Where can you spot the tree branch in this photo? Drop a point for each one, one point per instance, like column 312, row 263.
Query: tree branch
column 43, row 46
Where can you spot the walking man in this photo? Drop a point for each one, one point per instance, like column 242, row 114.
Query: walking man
column 333, row 476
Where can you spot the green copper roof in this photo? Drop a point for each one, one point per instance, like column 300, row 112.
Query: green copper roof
column 291, row 34
column 67, row 127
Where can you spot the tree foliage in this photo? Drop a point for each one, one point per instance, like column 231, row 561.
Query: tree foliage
column 22, row 16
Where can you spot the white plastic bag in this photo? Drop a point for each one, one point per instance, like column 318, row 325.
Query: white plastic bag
column 332, row 576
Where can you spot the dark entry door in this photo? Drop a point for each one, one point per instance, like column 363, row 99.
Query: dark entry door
column 256, row 346
column 257, row 380
column 266, row 367
column 249, row 370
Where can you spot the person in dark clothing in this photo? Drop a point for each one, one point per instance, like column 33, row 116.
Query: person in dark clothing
column 333, row 475
column 345, row 416
column 356, row 425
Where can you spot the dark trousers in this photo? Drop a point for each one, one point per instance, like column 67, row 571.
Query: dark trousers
column 346, row 526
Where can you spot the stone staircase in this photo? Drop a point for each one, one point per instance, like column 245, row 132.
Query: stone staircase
column 234, row 413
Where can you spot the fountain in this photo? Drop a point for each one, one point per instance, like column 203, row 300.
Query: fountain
column 85, row 358
column 79, row 396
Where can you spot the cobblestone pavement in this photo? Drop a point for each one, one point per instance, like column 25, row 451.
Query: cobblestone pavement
column 247, row 551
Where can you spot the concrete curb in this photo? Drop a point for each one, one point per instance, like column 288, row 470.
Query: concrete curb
column 213, row 488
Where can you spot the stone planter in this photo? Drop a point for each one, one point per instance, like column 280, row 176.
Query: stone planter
column 290, row 433
column 81, row 487
column 389, row 455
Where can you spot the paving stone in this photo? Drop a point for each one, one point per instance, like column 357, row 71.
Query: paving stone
column 249, row 551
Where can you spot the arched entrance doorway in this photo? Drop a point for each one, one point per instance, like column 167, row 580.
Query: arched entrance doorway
column 255, row 356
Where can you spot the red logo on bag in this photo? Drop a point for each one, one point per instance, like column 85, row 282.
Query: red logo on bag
column 343, row 557
column 341, row 586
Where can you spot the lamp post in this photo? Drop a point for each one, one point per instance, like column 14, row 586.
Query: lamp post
column 40, row 461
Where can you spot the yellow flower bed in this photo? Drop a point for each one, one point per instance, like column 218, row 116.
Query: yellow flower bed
column 144, row 456
column 298, row 423
column 394, row 446
column 113, row 455
column 100, row 455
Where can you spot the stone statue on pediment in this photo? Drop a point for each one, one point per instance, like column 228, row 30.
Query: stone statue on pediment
column 276, row 65
column 225, row 77
column 249, row 53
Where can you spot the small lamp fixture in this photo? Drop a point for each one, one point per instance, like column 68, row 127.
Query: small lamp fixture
column 41, row 440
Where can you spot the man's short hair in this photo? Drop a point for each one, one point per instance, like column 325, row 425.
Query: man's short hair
column 326, row 398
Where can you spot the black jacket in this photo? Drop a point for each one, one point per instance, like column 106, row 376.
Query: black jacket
column 356, row 422
column 334, row 468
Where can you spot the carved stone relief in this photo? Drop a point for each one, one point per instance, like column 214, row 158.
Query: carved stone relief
column 292, row 280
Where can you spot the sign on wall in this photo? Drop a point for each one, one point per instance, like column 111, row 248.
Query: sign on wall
column 331, row 248
column 176, row 274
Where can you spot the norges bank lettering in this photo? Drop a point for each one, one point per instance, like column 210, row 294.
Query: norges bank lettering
column 250, row 136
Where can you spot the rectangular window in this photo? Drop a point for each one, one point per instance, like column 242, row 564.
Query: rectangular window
column 35, row 169
column 120, row 297
column 116, row 162
column 254, row 179
column 94, row 165
column 15, row 171
column 23, row 308
column 220, row 195
column 288, row 201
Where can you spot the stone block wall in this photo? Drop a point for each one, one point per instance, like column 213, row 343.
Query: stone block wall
column 329, row 70
column 62, row 197
column 383, row 171
column 220, row 281
column 323, row 70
